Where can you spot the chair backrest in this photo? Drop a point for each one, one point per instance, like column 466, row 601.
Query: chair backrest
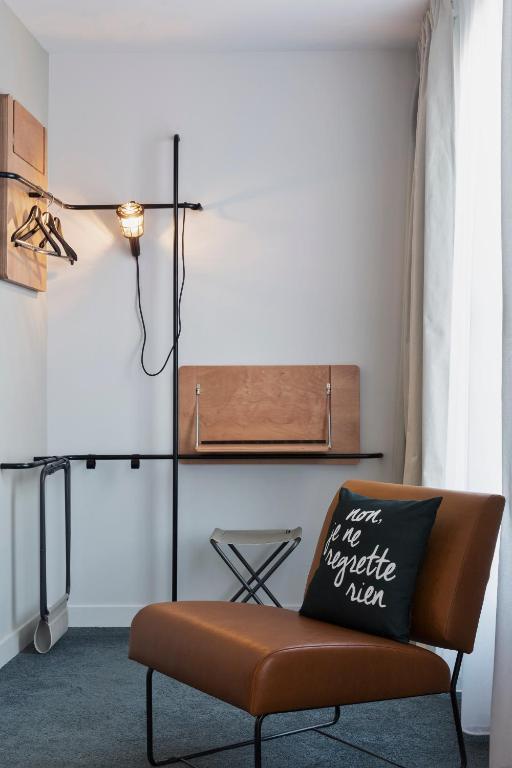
column 451, row 584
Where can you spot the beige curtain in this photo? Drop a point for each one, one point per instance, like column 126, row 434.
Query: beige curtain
column 412, row 326
column 430, row 230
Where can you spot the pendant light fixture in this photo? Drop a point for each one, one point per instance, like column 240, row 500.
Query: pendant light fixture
column 131, row 221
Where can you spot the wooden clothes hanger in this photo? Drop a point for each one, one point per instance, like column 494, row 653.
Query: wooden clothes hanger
column 52, row 235
column 53, row 223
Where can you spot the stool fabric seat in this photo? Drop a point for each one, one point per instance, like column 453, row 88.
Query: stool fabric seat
column 264, row 659
column 256, row 537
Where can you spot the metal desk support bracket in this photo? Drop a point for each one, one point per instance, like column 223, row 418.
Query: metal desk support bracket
column 199, row 442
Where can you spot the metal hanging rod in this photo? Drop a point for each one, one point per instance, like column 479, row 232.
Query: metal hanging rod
column 259, row 456
column 38, row 462
column 241, row 456
column 117, row 456
column 92, row 458
column 136, row 458
column 39, row 192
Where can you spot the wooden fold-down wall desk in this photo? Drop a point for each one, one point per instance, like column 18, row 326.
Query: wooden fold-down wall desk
column 270, row 409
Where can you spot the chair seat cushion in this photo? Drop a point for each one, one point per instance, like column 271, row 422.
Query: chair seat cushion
column 265, row 659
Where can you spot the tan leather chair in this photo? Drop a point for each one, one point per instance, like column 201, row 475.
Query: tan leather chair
column 266, row 660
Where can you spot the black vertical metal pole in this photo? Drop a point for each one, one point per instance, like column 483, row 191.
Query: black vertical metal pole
column 67, row 517
column 175, row 393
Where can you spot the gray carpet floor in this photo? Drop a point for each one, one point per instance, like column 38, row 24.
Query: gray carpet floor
column 83, row 705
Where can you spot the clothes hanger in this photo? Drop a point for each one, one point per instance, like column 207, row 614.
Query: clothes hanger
column 53, row 223
column 19, row 233
column 34, row 220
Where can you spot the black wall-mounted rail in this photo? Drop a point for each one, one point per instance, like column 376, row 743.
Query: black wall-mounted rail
column 39, row 192
column 113, row 456
column 241, row 456
column 260, row 456
column 39, row 461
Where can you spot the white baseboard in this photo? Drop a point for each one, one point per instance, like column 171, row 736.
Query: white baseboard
column 102, row 615
column 17, row 640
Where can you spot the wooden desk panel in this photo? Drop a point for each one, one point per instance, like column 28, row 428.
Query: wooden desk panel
column 270, row 409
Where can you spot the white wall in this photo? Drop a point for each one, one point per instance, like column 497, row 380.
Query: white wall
column 24, row 74
column 301, row 161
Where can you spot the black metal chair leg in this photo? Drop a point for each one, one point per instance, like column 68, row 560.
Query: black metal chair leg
column 456, row 711
column 458, row 727
column 257, row 740
column 149, row 726
column 149, row 717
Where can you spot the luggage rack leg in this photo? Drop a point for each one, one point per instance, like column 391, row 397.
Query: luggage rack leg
column 54, row 620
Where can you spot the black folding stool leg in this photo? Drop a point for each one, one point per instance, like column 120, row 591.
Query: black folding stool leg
column 236, row 572
column 258, row 572
column 260, row 581
column 293, row 545
column 255, row 575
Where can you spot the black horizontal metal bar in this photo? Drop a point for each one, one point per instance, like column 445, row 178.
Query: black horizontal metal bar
column 358, row 748
column 246, row 455
column 114, row 456
column 114, row 206
column 38, row 192
column 38, row 462
column 256, row 455
column 250, row 742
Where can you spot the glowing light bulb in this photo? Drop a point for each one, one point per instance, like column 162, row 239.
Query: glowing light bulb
column 131, row 221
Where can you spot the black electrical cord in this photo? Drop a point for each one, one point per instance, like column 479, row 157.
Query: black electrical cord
column 177, row 331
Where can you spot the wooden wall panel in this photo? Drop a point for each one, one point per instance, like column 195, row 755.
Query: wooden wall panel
column 272, row 409
column 29, row 138
column 22, row 150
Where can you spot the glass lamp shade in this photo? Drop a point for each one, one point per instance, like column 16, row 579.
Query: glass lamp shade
column 131, row 219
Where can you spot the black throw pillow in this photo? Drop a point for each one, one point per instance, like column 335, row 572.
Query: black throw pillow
column 369, row 564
